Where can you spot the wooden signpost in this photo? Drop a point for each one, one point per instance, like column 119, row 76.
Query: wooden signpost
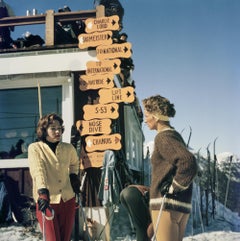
column 116, row 95
column 114, row 51
column 100, row 111
column 95, row 126
column 103, row 67
column 94, row 39
column 102, row 24
column 103, row 142
column 96, row 82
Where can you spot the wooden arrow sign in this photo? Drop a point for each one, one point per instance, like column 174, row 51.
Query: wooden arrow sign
column 94, row 39
column 103, row 67
column 93, row 159
column 114, row 51
column 95, row 126
column 96, row 82
column 103, row 142
column 102, row 24
column 100, row 111
column 116, row 95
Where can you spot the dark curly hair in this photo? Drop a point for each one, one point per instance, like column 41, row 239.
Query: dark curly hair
column 159, row 104
column 44, row 123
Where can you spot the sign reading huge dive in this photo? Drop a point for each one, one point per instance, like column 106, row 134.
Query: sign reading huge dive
column 94, row 39
column 116, row 95
column 102, row 24
column 96, row 82
column 114, row 51
column 92, row 127
column 103, row 142
column 100, row 111
column 103, row 67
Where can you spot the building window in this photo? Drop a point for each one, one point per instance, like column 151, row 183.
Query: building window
column 19, row 115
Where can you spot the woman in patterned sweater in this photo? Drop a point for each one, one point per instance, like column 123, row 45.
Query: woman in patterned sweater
column 173, row 171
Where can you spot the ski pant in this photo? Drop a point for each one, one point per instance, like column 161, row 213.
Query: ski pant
column 172, row 225
column 133, row 200
column 60, row 228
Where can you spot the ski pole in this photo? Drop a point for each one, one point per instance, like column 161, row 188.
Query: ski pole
column 158, row 218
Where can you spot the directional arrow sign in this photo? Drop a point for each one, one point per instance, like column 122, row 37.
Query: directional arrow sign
column 94, row 39
column 96, row 82
column 93, row 127
column 103, row 142
column 102, row 24
column 100, row 111
column 116, row 95
column 114, row 51
column 103, row 67
column 93, row 159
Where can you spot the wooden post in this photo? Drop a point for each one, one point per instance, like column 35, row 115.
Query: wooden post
column 100, row 11
column 50, row 33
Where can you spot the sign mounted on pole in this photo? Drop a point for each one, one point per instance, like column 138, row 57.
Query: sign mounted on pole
column 93, row 159
column 114, row 51
column 95, row 126
column 94, row 39
column 96, row 82
column 100, row 111
column 101, row 24
column 103, row 67
column 103, row 142
column 117, row 95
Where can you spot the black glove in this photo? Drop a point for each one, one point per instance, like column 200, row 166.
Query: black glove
column 75, row 182
column 164, row 189
column 43, row 199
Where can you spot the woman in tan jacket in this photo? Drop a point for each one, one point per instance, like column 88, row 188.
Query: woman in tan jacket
column 54, row 167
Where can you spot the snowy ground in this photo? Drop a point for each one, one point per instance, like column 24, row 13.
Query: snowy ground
column 224, row 227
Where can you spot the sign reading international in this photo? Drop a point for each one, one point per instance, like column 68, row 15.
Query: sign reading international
column 96, row 82
column 95, row 126
column 117, row 95
column 103, row 142
column 100, row 111
column 101, row 24
column 103, row 67
column 94, row 39
column 114, row 51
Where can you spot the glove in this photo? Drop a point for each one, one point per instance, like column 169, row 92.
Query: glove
column 164, row 189
column 75, row 182
column 43, row 199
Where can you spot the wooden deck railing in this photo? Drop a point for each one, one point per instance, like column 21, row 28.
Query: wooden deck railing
column 50, row 18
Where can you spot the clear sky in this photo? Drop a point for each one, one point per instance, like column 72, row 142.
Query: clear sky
column 185, row 50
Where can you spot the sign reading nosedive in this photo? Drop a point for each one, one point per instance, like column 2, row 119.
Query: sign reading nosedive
column 113, row 51
column 94, row 39
column 102, row 24
column 103, row 142
column 103, row 67
column 96, row 82
column 92, row 127
column 100, row 111
column 117, row 95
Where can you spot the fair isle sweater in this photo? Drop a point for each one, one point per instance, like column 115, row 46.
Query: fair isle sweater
column 172, row 160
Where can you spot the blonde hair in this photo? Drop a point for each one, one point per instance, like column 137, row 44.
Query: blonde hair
column 159, row 106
